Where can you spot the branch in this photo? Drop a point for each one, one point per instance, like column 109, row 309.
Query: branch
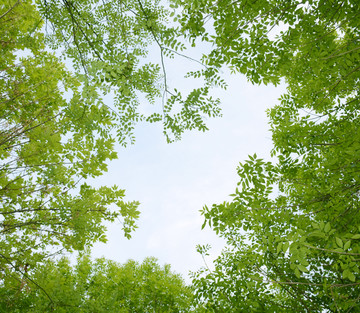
column 340, row 54
column 8, row 11
column 28, row 278
column 331, row 251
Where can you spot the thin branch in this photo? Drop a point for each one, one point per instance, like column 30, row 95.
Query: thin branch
column 28, row 278
column 161, row 55
column 8, row 11
column 331, row 251
column 340, row 54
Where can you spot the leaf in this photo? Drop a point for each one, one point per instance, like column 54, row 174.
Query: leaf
column 203, row 224
column 302, row 268
column 348, row 274
column 327, row 227
column 317, row 233
column 285, row 246
column 347, row 245
column 351, row 276
column 339, row 242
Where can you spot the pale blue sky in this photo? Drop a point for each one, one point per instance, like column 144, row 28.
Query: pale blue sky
column 174, row 181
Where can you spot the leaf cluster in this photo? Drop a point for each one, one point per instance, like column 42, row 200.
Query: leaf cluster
column 98, row 286
column 53, row 137
column 292, row 225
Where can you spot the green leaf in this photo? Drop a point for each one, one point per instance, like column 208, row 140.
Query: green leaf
column 339, row 242
column 348, row 274
column 327, row 227
column 347, row 245
column 351, row 276
column 285, row 246
column 317, row 233
column 302, row 268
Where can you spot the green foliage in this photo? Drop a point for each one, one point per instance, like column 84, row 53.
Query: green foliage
column 108, row 43
column 292, row 226
column 53, row 137
column 56, row 131
column 98, row 286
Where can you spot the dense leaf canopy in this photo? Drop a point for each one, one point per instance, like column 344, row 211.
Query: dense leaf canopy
column 52, row 138
column 56, row 129
column 293, row 224
column 108, row 43
column 99, row 286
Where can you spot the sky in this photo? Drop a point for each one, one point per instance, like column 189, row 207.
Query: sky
column 174, row 181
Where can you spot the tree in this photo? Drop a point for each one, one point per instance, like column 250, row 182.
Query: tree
column 292, row 226
column 108, row 43
column 99, row 286
column 56, row 131
column 52, row 138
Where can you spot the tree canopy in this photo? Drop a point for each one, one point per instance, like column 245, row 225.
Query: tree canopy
column 59, row 61
column 50, row 144
column 292, row 226
column 98, row 286
column 108, row 43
